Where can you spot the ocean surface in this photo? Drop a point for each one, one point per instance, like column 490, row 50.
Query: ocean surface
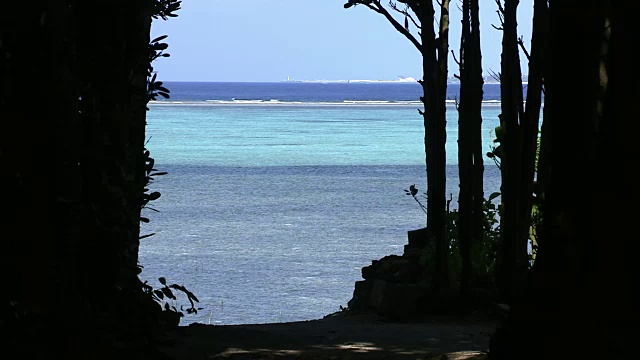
column 277, row 194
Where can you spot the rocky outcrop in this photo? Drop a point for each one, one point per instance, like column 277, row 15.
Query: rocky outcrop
column 395, row 286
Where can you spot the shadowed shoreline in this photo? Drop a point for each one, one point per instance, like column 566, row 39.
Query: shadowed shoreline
column 336, row 336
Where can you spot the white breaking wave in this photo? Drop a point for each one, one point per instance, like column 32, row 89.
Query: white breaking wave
column 306, row 103
column 284, row 103
column 401, row 80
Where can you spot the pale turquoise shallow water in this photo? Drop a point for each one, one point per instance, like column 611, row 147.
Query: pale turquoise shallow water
column 268, row 135
column 268, row 212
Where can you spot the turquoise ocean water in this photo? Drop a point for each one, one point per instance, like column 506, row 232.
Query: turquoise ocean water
column 277, row 194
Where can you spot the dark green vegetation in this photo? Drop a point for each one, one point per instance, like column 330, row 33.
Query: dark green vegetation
column 74, row 172
column 74, row 175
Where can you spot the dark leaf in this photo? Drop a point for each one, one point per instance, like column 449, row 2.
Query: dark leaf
column 146, row 236
column 160, row 46
column 177, row 287
column 192, row 296
column 159, row 293
column 162, row 281
column 144, row 219
column 499, row 133
column 494, row 195
column 168, row 293
column 159, row 38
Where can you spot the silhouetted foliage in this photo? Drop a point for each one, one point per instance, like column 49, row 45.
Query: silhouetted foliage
column 74, row 160
column 155, row 88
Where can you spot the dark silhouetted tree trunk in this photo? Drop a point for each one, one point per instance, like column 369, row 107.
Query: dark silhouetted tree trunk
column 434, row 49
column 580, row 301
column 531, row 121
column 475, row 106
column 434, row 84
column 520, row 126
column 470, row 160
column 540, row 42
column 512, row 260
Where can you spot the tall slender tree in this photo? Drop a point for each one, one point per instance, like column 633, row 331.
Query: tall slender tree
column 520, row 128
column 434, row 48
column 512, row 262
column 470, row 161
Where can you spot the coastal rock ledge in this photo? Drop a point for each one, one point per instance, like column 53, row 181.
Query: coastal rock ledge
column 397, row 287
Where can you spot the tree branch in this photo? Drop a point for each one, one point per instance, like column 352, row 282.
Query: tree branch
column 454, row 58
column 415, row 6
column 526, row 53
column 496, row 76
column 500, row 15
column 377, row 7
column 405, row 13
column 500, row 7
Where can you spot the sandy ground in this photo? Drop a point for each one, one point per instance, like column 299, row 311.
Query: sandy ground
column 337, row 336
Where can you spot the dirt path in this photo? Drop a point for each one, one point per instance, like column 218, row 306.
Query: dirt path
column 336, row 337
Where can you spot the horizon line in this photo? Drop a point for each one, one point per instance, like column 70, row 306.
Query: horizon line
column 312, row 81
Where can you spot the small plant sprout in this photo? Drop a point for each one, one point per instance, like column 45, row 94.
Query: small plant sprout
column 413, row 192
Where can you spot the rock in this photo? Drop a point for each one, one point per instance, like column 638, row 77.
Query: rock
column 417, row 242
column 397, row 301
column 394, row 268
column 395, row 286
column 417, row 238
column 361, row 294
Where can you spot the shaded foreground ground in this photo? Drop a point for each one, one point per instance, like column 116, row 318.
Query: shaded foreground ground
column 336, row 336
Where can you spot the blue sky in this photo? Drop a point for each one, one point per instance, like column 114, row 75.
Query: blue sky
column 270, row 40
